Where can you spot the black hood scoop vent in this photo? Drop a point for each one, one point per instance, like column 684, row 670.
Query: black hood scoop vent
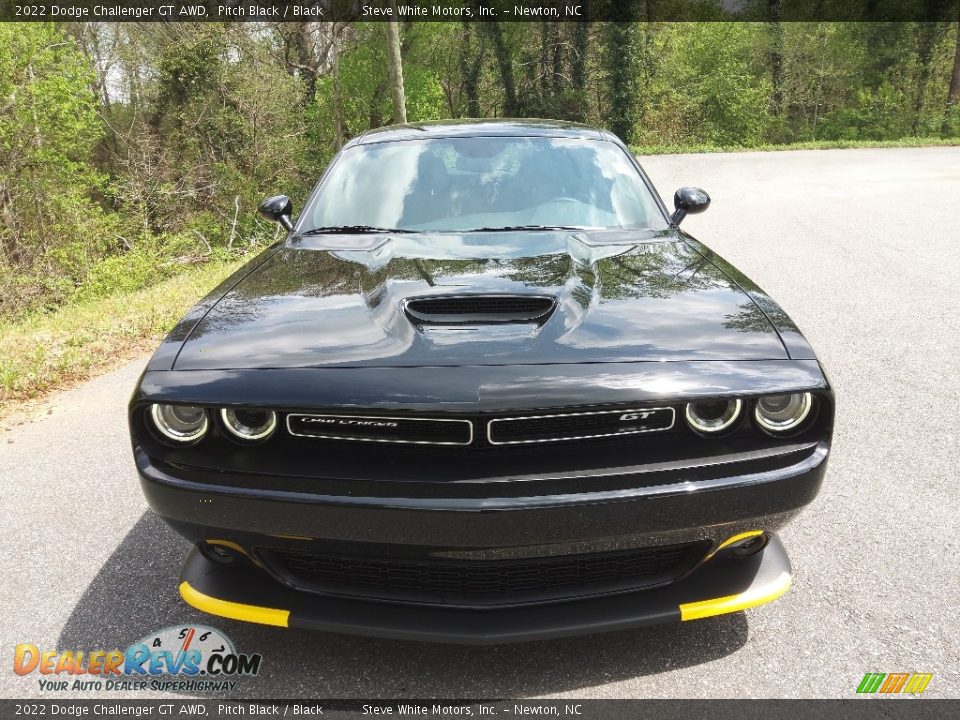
column 480, row 309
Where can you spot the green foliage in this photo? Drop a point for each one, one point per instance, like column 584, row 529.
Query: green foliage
column 184, row 69
column 951, row 122
column 214, row 135
column 364, row 96
column 424, row 94
column 875, row 114
column 732, row 98
column 364, row 92
column 50, row 227
column 131, row 152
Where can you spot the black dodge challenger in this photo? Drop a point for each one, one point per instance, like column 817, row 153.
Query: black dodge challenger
column 485, row 390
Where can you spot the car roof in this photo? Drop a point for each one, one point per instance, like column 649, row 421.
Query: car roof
column 481, row 128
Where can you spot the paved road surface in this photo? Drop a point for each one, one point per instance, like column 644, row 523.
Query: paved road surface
column 861, row 247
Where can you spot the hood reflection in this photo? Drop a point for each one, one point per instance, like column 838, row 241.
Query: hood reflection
column 653, row 299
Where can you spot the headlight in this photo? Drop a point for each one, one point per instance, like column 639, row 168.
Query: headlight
column 249, row 425
column 180, row 423
column 710, row 417
column 782, row 413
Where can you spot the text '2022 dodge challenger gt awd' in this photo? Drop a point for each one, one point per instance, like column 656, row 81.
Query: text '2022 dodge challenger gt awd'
column 485, row 390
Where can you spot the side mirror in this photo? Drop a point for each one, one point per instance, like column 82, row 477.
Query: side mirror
column 278, row 208
column 688, row 201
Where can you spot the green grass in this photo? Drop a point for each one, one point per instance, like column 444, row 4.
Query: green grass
column 43, row 352
column 808, row 145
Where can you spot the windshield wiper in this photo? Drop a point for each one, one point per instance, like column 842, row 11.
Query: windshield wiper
column 350, row 230
column 526, row 227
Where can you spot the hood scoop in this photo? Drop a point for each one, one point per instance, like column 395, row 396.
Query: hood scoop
column 480, row 309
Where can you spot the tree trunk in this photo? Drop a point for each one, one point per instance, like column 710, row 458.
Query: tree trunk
column 581, row 39
column 396, row 71
column 339, row 131
column 470, row 64
column 620, row 58
column 505, row 65
column 953, row 95
column 376, row 119
column 929, row 34
column 774, row 15
column 557, row 79
column 544, row 69
column 925, row 45
column 9, row 247
column 301, row 46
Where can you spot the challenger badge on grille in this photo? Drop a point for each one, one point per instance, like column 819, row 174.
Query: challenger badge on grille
column 419, row 431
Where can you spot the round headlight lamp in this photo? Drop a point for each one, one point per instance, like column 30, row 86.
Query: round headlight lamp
column 709, row 417
column 179, row 423
column 249, row 425
column 783, row 413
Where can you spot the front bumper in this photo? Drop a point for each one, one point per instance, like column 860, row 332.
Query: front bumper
column 735, row 497
column 254, row 522
column 721, row 585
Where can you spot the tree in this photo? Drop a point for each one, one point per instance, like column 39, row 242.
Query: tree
column 929, row 33
column 301, row 53
column 471, row 62
column 50, row 228
column 581, row 40
column 953, row 94
column 396, row 70
column 505, row 65
column 621, row 55
column 774, row 16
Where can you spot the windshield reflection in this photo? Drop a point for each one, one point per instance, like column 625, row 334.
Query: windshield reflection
column 466, row 184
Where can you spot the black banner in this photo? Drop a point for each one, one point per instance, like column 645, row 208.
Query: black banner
column 478, row 10
column 573, row 709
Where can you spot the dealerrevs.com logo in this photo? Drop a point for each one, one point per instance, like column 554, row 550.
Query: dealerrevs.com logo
column 187, row 659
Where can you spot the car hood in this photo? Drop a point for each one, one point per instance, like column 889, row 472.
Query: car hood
column 618, row 297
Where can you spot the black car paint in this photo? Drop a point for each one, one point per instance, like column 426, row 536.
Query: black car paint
column 655, row 300
column 642, row 319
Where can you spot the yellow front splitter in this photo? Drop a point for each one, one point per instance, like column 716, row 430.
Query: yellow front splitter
column 723, row 584
column 756, row 595
column 233, row 610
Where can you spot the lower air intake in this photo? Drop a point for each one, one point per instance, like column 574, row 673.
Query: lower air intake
column 485, row 582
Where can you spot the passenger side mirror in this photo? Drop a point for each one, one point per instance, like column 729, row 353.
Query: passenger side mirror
column 688, row 201
column 278, row 208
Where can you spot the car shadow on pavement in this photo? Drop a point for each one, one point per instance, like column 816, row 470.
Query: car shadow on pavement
column 135, row 593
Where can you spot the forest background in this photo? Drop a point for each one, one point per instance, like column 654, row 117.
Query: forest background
column 133, row 155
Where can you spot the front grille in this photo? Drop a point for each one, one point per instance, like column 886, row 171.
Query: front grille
column 485, row 582
column 381, row 428
column 578, row 426
column 459, row 309
column 479, row 431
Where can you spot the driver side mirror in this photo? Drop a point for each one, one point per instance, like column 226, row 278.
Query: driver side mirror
column 278, row 208
column 688, row 201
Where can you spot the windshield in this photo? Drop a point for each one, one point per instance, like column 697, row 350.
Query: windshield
column 483, row 183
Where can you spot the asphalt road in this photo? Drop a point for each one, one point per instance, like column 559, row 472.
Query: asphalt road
column 861, row 247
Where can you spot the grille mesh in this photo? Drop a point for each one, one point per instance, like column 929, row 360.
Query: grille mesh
column 487, row 581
